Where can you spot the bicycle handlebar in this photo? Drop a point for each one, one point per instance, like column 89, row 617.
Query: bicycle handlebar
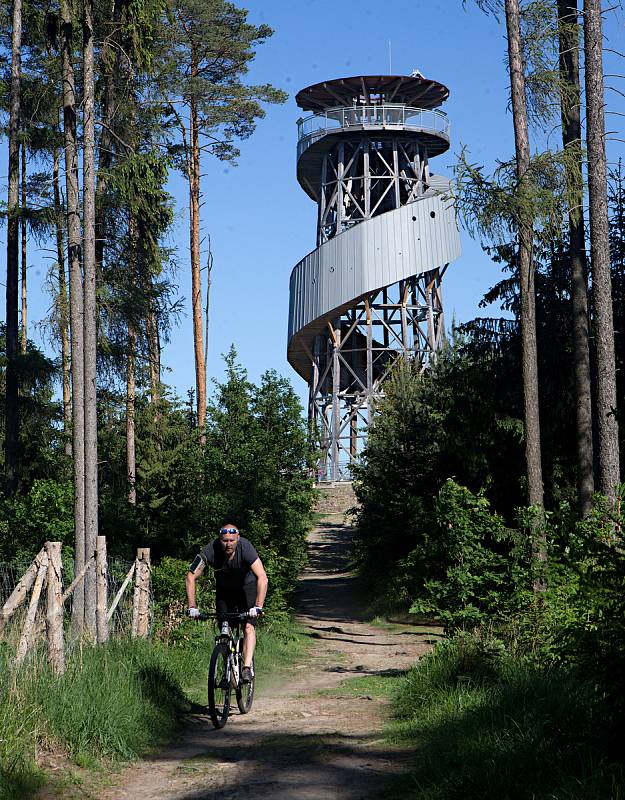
column 235, row 617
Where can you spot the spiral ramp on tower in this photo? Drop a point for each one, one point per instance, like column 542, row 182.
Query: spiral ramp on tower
column 370, row 292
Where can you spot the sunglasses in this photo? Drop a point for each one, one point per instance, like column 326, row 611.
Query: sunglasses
column 227, row 530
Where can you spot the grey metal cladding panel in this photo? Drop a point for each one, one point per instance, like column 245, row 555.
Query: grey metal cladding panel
column 371, row 255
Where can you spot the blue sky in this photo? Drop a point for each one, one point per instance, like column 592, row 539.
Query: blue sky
column 260, row 221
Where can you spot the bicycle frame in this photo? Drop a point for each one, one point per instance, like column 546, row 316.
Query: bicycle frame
column 228, row 648
column 230, row 636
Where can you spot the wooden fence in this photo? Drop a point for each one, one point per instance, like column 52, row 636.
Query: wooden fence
column 45, row 572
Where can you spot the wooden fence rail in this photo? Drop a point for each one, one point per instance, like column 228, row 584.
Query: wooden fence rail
column 21, row 590
column 46, row 570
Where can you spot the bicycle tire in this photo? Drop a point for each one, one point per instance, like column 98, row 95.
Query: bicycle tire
column 245, row 693
column 219, row 686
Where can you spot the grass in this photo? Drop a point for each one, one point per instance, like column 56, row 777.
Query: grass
column 369, row 685
column 114, row 704
column 485, row 726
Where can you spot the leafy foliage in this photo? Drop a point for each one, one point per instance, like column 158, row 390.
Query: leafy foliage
column 203, row 53
column 472, row 567
column 45, row 513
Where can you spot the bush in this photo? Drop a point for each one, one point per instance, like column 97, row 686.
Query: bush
column 468, row 564
column 45, row 512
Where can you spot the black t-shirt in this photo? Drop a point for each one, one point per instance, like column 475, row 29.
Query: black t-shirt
column 231, row 573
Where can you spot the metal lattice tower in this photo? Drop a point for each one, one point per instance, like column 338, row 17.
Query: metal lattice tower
column 386, row 232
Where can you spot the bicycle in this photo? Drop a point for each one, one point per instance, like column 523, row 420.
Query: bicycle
column 224, row 671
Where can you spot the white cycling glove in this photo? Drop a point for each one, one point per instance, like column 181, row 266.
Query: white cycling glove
column 194, row 613
column 255, row 611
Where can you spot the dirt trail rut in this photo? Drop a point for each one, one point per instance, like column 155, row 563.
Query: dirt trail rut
column 296, row 743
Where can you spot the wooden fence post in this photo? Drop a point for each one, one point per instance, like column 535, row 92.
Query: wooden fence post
column 29, row 622
column 54, row 616
column 141, row 599
column 101, row 590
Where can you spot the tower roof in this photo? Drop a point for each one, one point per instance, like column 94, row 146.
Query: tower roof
column 365, row 89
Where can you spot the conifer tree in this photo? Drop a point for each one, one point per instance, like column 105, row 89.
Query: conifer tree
column 205, row 54
column 526, row 269
column 74, row 258
column 603, row 318
column 90, row 311
column 13, row 201
column 568, row 40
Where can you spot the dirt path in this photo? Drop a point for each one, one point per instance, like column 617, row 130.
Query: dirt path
column 296, row 744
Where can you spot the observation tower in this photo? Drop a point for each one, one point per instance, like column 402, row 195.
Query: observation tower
column 370, row 292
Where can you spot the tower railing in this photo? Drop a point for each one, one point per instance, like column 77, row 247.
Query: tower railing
column 385, row 116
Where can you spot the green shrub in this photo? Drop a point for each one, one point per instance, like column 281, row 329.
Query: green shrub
column 467, row 557
column 45, row 512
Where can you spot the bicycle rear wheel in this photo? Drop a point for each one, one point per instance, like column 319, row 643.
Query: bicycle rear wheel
column 245, row 692
column 219, row 686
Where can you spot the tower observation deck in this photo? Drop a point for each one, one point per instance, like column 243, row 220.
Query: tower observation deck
column 370, row 292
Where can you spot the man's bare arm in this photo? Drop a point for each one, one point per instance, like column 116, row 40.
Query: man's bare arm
column 261, row 582
column 192, row 576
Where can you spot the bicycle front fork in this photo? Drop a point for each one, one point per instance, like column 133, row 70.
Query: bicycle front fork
column 233, row 663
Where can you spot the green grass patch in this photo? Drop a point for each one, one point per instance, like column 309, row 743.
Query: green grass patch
column 485, row 725
column 370, row 685
column 113, row 703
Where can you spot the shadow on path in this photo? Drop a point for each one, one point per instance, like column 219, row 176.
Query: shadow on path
column 289, row 766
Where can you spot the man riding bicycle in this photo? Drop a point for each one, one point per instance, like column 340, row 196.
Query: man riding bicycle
column 241, row 584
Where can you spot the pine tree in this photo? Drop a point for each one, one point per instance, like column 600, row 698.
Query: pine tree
column 12, row 422
column 606, row 402
column 568, row 40
column 76, row 300
column 526, row 269
column 205, row 53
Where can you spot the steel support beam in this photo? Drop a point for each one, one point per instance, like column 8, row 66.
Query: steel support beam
column 403, row 321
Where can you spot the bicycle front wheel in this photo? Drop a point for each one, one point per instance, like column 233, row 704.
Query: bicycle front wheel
column 219, row 686
column 245, row 693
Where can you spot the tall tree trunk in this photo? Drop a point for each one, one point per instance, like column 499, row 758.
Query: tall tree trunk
column 90, row 332
column 153, row 338
column 24, row 330
column 12, row 384
column 607, row 425
column 154, row 354
column 568, row 39
column 76, row 305
column 62, row 312
column 110, row 60
column 131, row 461
column 528, row 300
column 209, row 279
column 196, row 277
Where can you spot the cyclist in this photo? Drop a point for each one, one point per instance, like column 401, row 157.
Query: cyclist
column 241, row 584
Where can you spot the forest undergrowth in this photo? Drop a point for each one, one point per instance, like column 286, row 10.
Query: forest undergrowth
column 523, row 699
